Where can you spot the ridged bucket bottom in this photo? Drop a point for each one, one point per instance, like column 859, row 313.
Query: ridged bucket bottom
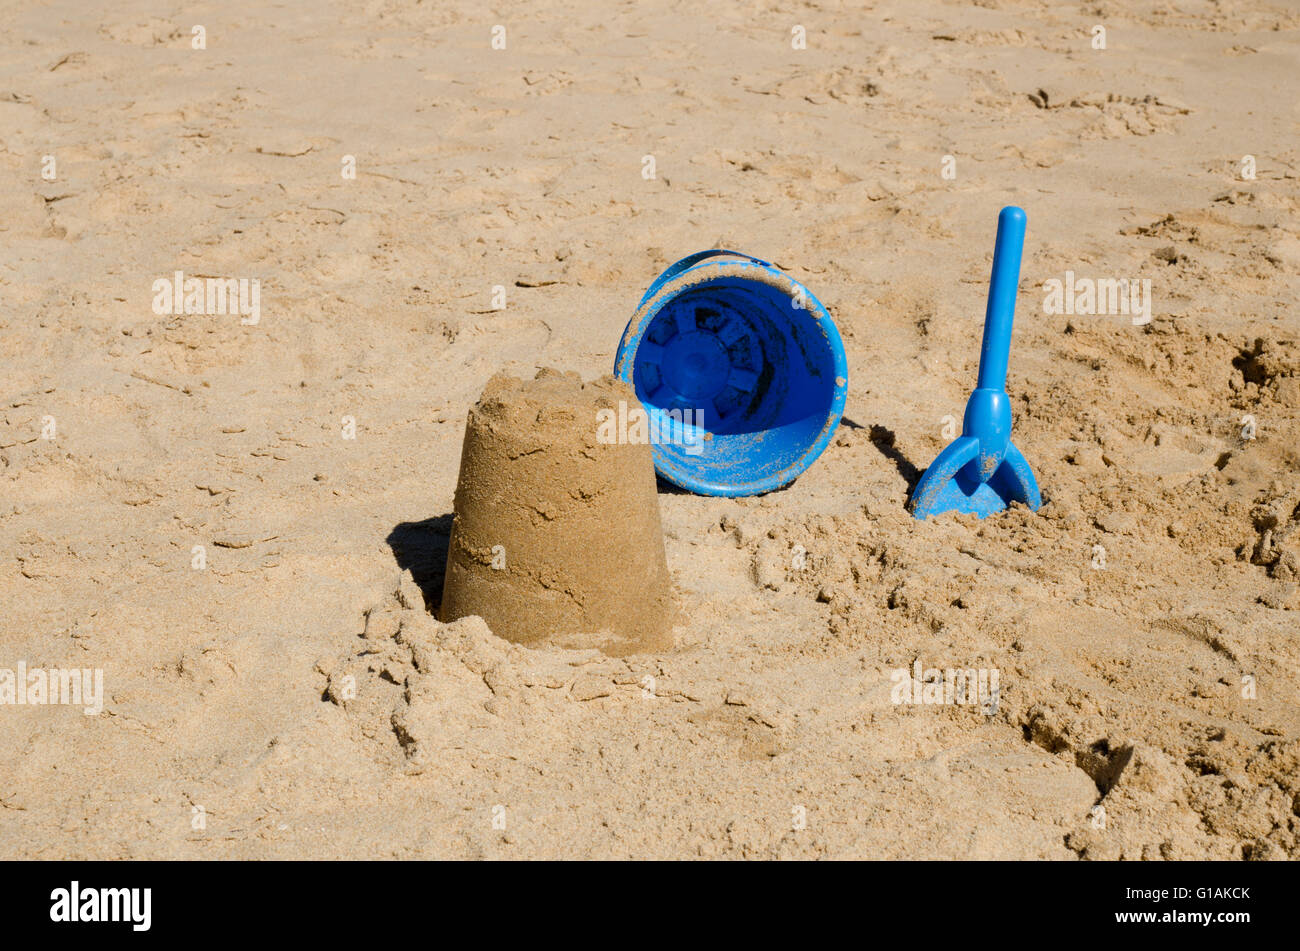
column 742, row 371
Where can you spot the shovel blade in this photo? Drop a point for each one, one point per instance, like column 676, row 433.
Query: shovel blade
column 950, row 485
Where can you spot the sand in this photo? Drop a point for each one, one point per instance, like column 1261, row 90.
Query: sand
column 237, row 522
column 556, row 538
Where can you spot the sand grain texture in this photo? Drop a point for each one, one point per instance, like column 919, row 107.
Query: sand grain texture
column 299, row 691
column 556, row 538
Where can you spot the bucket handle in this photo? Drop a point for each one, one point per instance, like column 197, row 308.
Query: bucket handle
column 690, row 261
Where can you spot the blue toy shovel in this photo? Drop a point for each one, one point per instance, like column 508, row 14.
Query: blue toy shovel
column 982, row 472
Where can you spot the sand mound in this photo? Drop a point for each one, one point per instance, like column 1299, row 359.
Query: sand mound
column 557, row 538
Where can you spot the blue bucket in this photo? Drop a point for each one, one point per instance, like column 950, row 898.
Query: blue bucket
column 741, row 371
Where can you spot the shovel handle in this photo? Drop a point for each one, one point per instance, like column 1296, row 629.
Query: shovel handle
column 996, row 349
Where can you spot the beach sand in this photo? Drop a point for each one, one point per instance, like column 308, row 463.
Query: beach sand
column 243, row 523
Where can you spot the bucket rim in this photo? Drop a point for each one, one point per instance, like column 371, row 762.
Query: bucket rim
column 702, row 274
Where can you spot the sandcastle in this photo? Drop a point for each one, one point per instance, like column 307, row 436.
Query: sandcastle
column 556, row 537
